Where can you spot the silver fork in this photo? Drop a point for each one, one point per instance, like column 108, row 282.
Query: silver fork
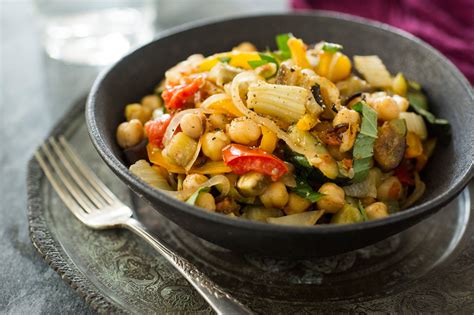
column 97, row 207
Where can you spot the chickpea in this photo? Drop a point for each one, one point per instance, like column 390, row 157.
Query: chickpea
column 129, row 133
column 275, row 196
column 352, row 119
column 152, row 102
column 218, row 121
column 377, row 210
column 385, row 106
column 333, row 199
column 213, row 143
column 137, row 111
column 191, row 124
column 244, row 130
column 206, row 200
column 193, row 181
column 245, row 47
column 296, row 204
column 401, row 102
column 390, row 189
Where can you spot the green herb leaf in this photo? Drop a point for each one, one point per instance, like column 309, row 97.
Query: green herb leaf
column 364, row 144
column 414, row 85
column 303, row 189
column 331, row 47
column 257, row 63
column 418, row 100
column 192, row 200
column 362, row 212
column 268, row 58
column 369, row 119
column 282, row 44
column 363, row 147
column 225, row 59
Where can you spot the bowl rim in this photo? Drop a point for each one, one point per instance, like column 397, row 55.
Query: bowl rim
column 140, row 186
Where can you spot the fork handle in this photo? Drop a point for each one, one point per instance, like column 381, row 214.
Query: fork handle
column 221, row 301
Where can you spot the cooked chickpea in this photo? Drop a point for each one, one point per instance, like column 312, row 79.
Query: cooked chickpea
column 152, row 102
column 296, row 204
column 213, row 143
column 275, row 196
column 191, row 124
column 401, row 102
column 352, row 119
column 390, row 189
column 333, row 199
column 245, row 47
column 129, row 133
column 206, row 200
column 376, row 210
column 244, row 131
column 193, row 181
column 137, row 111
column 385, row 106
column 218, row 121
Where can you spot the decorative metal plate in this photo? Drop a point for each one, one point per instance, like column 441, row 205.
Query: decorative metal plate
column 427, row 268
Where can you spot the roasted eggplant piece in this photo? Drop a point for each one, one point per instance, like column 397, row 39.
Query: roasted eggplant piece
column 389, row 147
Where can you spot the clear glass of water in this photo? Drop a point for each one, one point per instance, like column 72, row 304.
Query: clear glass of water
column 94, row 32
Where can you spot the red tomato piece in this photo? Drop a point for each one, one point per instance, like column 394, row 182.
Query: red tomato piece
column 242, row 159
column 404, row 174
column 155, row 129
column 176, row 96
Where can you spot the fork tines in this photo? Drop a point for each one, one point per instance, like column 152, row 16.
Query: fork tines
column 75, row 183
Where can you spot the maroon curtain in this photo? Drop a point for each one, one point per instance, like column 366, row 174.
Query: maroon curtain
column 446, row 25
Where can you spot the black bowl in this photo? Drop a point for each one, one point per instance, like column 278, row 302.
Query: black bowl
column 451, row 97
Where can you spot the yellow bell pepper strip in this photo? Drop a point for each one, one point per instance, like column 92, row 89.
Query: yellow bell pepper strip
column 156, row 157
column 224, row 104
column 306, row 122
column 298, row 52
column 414, row 146
column 269, row 140
column 237, row 59
column 334, row 66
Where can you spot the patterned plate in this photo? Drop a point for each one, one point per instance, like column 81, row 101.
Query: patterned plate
column 427, row 268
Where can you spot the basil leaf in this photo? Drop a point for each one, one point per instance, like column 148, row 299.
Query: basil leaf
column 369, row 119
column 257, row 63
column 418, row 100
column 268, row 58
column 282, row 44
column 225, row 59
column 192, row 200
column 364, row 144
column 331, row 47
column 363, row 147
column 362, row 212
column 303, row 189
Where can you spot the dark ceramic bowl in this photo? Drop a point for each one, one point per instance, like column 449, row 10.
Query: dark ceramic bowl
column 451, row 97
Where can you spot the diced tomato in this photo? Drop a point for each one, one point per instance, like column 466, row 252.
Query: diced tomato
column 404, row 173
column 242, row 159
column 155, row 129
column 176, row 96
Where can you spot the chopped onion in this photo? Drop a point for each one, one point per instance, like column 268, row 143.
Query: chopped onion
column 195, row 156
column 215, row 180
column 417, row 193
column 307, row 218
column 415, row 124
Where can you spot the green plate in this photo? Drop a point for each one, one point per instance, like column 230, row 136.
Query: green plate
column 427, row 268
